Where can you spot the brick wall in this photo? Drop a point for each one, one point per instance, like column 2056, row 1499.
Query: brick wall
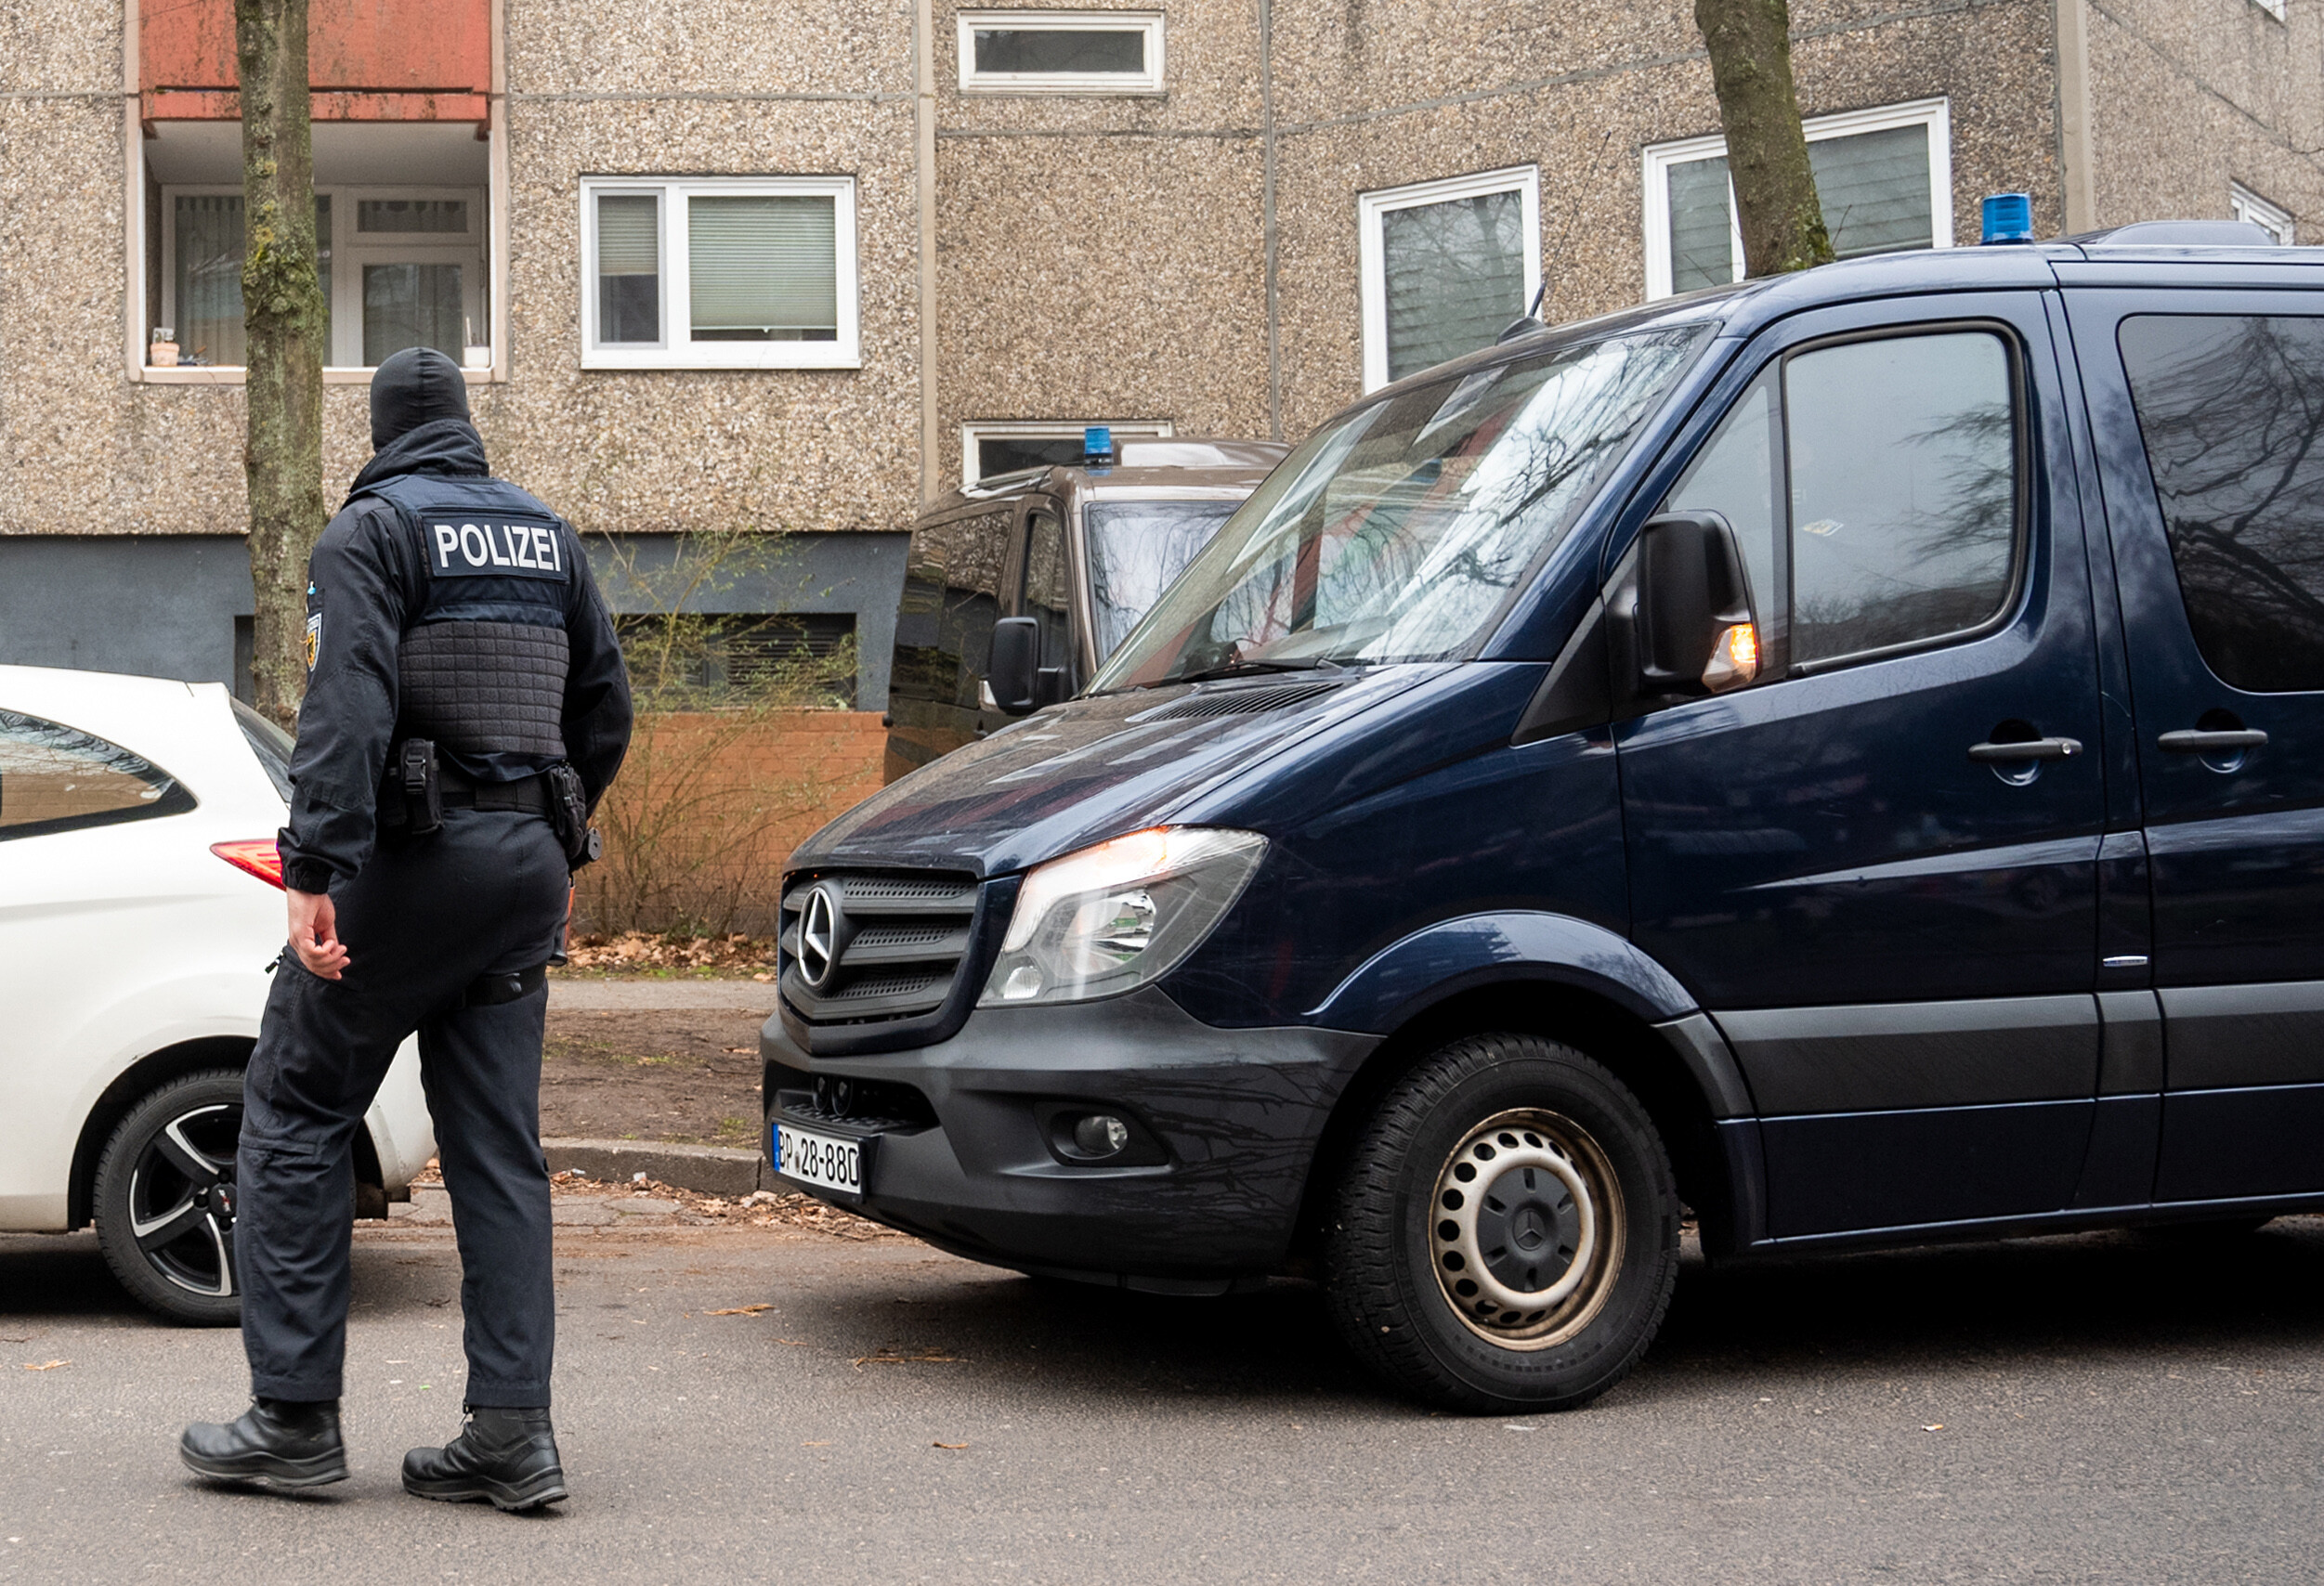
column 708, row 807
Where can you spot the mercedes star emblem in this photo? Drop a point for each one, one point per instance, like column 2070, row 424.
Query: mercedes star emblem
column 819, row 938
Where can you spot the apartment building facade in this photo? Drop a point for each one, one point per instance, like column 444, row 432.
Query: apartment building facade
column 740, row 266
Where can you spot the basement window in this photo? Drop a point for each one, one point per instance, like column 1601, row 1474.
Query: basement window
column 1060, row 52
column 2274, row 220
column 992, row 446
column 720, row 273
column 741, row 660
column 1884, row 178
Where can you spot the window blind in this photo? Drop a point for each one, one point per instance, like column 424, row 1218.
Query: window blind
column 764, row 269
column 1874, row 187
column 209, row 280
column 629, row 268
column 1455, row 276
column 1702, row 224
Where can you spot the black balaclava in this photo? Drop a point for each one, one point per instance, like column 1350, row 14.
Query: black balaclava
column 415, row 386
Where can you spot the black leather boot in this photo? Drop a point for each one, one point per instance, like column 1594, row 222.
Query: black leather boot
column 506, row 1457
column 278, row 1442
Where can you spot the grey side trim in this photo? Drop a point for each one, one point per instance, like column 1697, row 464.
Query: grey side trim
column 2129, row 1056
column 1882, row 1055
column 1697, row 1040
column 2222, row 1036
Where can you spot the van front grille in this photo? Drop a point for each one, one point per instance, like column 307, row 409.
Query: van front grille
column 870, row 947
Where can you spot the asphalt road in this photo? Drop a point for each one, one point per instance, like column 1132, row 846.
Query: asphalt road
column 2093, row 1408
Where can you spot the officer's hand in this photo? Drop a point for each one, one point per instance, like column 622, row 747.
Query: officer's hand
column 315, row 934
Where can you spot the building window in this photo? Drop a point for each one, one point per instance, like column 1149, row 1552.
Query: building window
column 1060, row 52
column 993, row 447
column 741, row 660
column 2273, row 8
column 1884, row 178
column 2248, row 206
column 402, row 265
column 1445, row 266
column 412, row 275
column 720, row 273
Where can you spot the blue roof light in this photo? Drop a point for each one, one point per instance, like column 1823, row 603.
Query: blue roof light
column 2009, row 217
column 1097, row 443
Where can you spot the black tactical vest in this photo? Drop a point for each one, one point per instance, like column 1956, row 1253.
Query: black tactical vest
column 482, row 663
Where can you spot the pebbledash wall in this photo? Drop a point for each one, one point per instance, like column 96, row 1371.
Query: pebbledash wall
column 1220, row 241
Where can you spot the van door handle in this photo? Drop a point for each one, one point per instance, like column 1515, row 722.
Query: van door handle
column 2193, row 740
column 2032, row 749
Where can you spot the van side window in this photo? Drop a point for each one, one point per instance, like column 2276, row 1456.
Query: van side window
column 1048, row 590
column 1872, row 486
column 2232, row 411
column 1739, row 475
column 944, row 625
column 1903, row 490
column 55, row 779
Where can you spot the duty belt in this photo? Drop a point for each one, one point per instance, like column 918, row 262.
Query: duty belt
column 531, row 794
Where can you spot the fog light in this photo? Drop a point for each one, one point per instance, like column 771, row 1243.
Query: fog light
column 1023, row 980
column 1101, row 1133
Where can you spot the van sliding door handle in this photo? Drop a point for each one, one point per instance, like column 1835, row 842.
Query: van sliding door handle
column 2032, row 749
column 2193, row 740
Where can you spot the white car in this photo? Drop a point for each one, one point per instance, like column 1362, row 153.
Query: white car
column 140, row 915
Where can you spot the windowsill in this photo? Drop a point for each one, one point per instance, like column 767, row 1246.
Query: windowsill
column 1082, row 88
column 825, row 354
column 233, row 374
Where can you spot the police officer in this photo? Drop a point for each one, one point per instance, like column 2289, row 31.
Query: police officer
column 466, row 706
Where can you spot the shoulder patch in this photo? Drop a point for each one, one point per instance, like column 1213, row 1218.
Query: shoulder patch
column 314, row 638
column 495, row 547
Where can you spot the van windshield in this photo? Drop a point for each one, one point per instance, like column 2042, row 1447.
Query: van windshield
column 1400, row 532
column 1136, row 548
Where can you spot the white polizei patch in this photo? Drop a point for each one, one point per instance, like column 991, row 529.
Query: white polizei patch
column 535, row 548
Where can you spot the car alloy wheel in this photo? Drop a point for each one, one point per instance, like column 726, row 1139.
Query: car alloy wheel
column 165, row 1198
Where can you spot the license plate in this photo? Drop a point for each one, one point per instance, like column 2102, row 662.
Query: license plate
column 825, row 1161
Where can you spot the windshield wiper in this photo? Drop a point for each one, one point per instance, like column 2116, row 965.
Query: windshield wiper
column 1258, row 664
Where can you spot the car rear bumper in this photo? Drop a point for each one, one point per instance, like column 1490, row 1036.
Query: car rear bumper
column 1235, row 1115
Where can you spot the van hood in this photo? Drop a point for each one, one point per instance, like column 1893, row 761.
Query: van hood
column 1079, row 772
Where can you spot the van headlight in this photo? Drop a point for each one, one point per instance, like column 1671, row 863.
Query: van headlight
column 1118, row 916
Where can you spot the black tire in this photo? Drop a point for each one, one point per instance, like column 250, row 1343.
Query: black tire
column 1394, row 1247
column 168, row 1174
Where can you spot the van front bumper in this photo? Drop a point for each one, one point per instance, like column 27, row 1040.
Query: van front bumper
column 1236, row 1114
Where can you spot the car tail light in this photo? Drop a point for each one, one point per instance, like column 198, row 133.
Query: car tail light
column 256, row 856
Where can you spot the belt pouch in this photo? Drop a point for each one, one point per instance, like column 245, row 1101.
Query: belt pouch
column 423, row 790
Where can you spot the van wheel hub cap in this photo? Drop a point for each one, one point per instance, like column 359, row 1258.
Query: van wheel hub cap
column 1525, row 1234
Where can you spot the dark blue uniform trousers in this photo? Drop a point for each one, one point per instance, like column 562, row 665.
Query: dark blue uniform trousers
column 423, row 920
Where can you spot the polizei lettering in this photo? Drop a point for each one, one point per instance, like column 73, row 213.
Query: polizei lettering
column 498, row 548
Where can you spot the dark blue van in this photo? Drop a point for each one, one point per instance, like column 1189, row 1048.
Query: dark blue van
column 1844, row 755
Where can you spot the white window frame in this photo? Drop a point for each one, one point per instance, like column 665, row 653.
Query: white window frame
column 2274, row 220
column 977, row 430
column 677, row 349
column 344, row 283
column 2273, row 8
column 976, row 82
column 1372, row 248
column 1935, row 114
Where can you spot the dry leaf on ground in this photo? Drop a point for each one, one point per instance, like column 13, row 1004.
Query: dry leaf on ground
column 46, row 1366
column 947, row 1445
column 741, row 1310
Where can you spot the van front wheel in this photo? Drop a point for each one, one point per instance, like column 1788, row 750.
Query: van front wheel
column 1506, row 1235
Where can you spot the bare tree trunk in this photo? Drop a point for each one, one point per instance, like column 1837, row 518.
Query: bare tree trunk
column 283, row 315
column 1767, row 150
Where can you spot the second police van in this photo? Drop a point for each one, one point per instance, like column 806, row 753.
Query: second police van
column 1844, row 754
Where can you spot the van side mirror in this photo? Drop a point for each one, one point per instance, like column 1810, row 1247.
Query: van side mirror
column 1696, row 635
column 1015, row 666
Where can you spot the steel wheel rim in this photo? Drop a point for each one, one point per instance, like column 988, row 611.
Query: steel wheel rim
column 1525, row 1229
column 181, row 1200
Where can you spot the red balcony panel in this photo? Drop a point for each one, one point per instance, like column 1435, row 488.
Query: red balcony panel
column 366, row 60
